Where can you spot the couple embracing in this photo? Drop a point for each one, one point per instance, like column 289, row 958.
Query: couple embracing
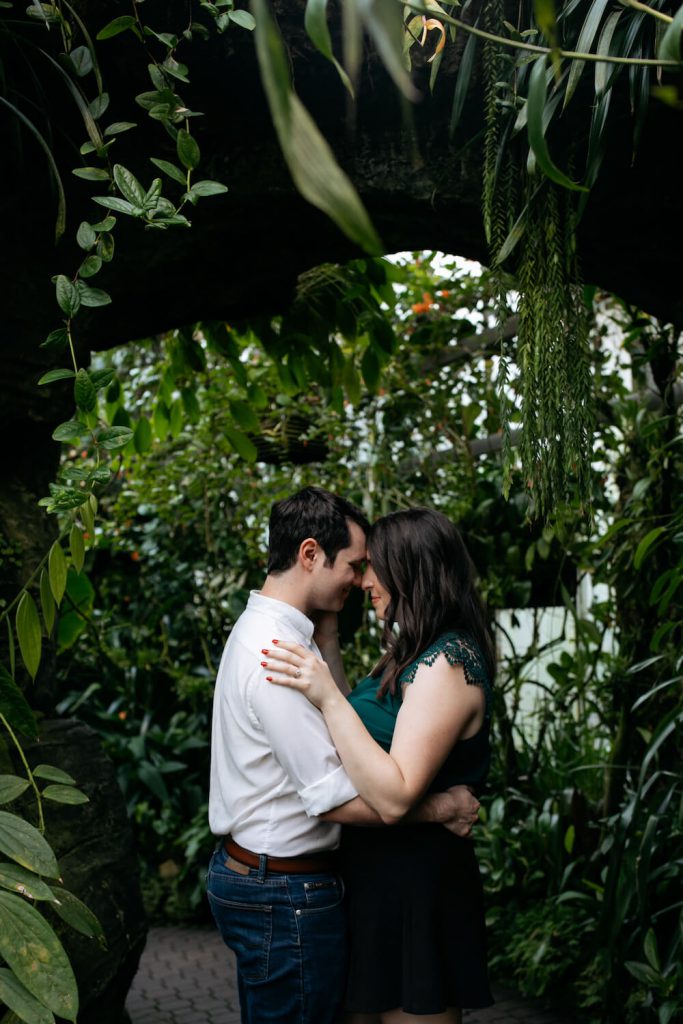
column 345, row 879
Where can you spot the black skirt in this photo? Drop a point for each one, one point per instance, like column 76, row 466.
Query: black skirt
column 416, row 920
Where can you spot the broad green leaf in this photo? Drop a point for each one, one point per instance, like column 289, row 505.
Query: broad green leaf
column 118, row 25
column 153, row 779
column 315, row 171
column 191, row 405
column 171, row 170
column 77, row 547
column 32, row 950
column 69, row 431
column 142, row 437
column 536, row 102
column 51, row 773
column 670, row 45
column 242, row 18
column 93, row 297
column 56, row 564
column 105, row 247
column 243, row 415
column 77, row 914
column 90, row 266
column 25, row 845
column 53, row 375
column 65, row 795
column 352, row 382
column 585, row 41
column 117, row 128
column 86, row 236
column 102, row 378
column 113, row 438
column 47, row 601
column 24, row 882
column 208, row 188
column 56, row 339
column 120, row 205
column 187, row 149
column 14, row 706
column 81, row 59
column 85, row 395
column 68, row 299
column 128, row 185
column 370, row 368
column 316, row 26
column 12, row 786
column 645, row 545
column 241, row 443
column 19, row 1000
column 91, row 173
column 642, row 972
column 88, row 518
column 29, row 633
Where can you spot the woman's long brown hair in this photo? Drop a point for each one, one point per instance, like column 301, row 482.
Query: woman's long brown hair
column 420, row 558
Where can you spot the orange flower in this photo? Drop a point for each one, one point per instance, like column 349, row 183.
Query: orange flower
column 135, row 556
column 428, row 25
column 123, row 715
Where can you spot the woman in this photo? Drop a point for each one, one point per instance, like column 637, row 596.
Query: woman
column 418, row 723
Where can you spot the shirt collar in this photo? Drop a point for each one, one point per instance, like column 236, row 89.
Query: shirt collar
column 283, row 611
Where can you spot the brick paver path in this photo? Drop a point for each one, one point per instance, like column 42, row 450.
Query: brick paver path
column 187, row 976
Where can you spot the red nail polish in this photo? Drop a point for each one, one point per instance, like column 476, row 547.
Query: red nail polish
column 276, row 641
column 269, row 679
column 263, row 651
column 264, row 664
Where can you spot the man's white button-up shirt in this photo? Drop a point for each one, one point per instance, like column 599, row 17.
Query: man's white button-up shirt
column 273, row 764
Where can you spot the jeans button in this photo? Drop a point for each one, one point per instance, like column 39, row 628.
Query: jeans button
column 298, row 913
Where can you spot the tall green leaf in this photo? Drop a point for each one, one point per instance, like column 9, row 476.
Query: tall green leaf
column 536, row 103
column 77, row 914
column 77, row 547
column 587, row 34
column 32, row 950
column 25, row 845
column 29, row 633
column 316, row 25
column 61, row 199
column 19, row 1000
column 462, row 83
column 56, row 564
column 315, row 171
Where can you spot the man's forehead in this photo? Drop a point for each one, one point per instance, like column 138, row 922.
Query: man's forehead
column 358, row 546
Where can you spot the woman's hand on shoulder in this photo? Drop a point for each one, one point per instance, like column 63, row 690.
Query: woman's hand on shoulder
column 290, row 664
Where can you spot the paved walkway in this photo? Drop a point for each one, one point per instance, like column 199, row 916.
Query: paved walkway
column 187, row 976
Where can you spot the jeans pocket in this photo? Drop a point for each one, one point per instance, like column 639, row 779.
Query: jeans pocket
column 247, row 930
column 323, row 895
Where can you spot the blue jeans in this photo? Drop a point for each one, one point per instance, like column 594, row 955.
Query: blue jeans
column 288, row 933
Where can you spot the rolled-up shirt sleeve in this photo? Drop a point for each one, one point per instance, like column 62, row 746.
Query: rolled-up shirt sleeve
column 301, row 744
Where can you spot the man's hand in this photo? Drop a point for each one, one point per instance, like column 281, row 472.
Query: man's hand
column 326, row 628
column 457, row 809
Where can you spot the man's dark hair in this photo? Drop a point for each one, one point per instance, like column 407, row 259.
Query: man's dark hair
column 314, row 513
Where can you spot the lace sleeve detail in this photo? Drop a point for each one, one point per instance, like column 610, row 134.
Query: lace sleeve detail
column 458, row 649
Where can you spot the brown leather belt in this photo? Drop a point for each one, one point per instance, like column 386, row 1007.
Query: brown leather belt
column 304, row 865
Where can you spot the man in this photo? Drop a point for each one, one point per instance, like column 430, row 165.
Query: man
column 278, row 790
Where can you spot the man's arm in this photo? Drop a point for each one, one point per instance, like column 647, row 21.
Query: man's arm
column 456, row 809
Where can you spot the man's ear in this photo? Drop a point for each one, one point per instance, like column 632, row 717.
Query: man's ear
column 308, row 552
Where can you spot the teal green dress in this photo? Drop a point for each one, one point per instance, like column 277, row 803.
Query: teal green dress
column 414, row 895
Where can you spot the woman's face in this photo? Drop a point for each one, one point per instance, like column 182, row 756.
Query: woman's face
column 379, row 597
